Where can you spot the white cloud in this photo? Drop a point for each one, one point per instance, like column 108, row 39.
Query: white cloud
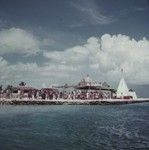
column 105, row 57
column 16, row 40
column 102, row 58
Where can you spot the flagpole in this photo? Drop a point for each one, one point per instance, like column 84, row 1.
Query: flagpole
column 122, row 72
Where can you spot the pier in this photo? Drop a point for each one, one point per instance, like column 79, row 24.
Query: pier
column 70, row 102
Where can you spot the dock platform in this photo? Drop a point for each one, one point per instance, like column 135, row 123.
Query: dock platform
column 71, row 102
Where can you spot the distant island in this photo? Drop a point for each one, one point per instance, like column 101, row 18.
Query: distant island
column 85, row 92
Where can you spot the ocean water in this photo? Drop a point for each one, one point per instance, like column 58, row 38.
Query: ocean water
column 70, row 127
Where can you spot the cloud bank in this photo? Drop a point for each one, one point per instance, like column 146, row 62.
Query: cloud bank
column 105, row 56
column 102, row 58
column 16, row 40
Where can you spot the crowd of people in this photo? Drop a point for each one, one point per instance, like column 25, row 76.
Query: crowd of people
column 49, row 94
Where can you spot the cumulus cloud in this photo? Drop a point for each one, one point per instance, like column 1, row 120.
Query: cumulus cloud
column 14, row 73
column 102, row 58
column 33, row 74
column 16, row 40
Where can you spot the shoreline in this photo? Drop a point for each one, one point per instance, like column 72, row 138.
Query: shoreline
column 70, row 102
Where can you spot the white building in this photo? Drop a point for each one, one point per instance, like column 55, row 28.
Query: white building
column 124, row 92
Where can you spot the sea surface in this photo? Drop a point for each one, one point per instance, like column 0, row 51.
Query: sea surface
column 74, row 127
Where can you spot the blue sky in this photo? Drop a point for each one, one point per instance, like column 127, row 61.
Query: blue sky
column 61, row 39
column 77, row 19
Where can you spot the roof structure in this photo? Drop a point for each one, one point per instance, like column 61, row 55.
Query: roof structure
column 24, row 88
column 87, row 84
column 87, row 79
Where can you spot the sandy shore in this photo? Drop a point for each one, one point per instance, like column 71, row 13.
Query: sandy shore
column 70, row 102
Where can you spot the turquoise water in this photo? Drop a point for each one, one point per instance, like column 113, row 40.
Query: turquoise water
column 68, row 127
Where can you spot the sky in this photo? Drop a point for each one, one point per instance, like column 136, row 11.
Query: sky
column 44, row 42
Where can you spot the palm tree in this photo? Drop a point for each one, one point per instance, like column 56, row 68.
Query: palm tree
column 9, row 90
column 1, row 87
column 22, row 83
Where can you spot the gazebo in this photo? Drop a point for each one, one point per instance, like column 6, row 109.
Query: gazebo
column 94, row 90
